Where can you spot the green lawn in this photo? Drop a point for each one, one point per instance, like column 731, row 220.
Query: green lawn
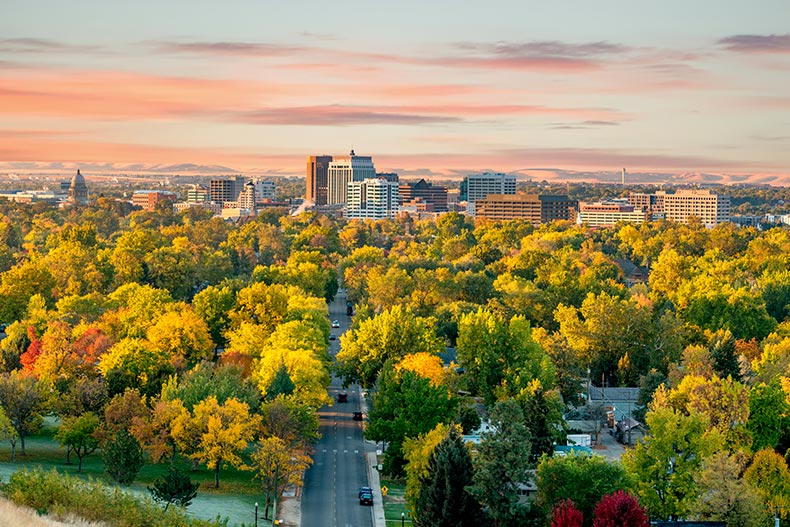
column 235, row 499
column 395, row 503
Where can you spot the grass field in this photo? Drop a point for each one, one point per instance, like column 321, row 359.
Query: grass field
column 234, row 500
column 395, row 503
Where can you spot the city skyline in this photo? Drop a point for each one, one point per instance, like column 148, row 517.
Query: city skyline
column 567, row 91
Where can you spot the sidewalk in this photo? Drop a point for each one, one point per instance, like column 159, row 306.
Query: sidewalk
column 375, row 484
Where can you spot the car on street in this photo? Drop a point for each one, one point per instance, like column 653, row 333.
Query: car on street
column 332, row 337
column 335, row 323
column 357, row 416
column 342, row 397
column 365, row 496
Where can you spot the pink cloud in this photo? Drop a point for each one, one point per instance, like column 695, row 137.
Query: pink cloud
column 757, row 43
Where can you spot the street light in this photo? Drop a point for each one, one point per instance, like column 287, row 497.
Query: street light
column 256, row 514
column 402, row 519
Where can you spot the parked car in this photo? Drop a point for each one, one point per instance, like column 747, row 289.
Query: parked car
column 365, row 490
column 366, row 498
column 332, row 337
column 335, row 323
column 357, row 416
column 342, row 397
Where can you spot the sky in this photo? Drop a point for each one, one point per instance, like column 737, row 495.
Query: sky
column 564, row 89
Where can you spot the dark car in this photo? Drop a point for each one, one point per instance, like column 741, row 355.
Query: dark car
column 365, row 490
column 366, row 498
column 332, row 337
column 342, row 397
column 357, row 416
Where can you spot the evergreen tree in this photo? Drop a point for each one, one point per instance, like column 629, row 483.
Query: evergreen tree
column 123, row 457
column 174, row 487
column 443, row 500
column 502, row 465
column 724, row 354
column 281, row 384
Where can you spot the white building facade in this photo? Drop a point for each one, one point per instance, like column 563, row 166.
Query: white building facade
column 372, row 199
column 711, row 209
column 479, row 186
column 345, row 170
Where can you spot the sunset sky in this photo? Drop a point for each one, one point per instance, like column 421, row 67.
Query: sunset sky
column 425, row 87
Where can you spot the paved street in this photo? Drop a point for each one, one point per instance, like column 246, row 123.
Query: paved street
column 329, row 497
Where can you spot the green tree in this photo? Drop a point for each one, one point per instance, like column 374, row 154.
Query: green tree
column 123, row 457
column 543, row 410
column 768, row 414
column 22, row 399
column 405, row 405
column 724, row 354
column 392, row 334
column 770, row 476
column 502, row 466
column 281, row 385
column 7, row 432
column 725, row 496
column 444, row 499
column 224, row 381
column 174, row 487
column 78, row 435
column 213, row 305
column 584, row 479
column 663, row 464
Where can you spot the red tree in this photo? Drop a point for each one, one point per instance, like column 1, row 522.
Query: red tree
column 28, row 358
column 619, row 509
column 565, row 514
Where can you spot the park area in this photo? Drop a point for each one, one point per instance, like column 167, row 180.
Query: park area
column 234, row 501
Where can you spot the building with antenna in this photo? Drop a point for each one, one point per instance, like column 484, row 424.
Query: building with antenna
column 344, row 170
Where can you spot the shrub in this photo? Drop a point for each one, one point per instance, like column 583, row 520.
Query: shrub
column 61, row 495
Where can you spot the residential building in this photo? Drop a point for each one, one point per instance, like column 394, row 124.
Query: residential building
column 711, row 209
column 227, row 189
column 537, row 208
column 477, row 186
column 147, row 199
column 345, row 170
column 372, row 198
column 433, row 195
column 317, row 177
column 605, row 213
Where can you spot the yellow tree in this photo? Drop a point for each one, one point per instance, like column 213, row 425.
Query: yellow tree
column 417, row 451
column 223, row 432
column 425, row 365
column 156, row 431
column 277, row 467
column 183, row 335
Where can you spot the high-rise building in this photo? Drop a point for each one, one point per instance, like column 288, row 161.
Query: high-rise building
column 317, row 174
column 78, row 190
column 247, row 198
column 711, row 209
column 434, row 195
column 478, row 186
column 343, row 171
column 372, row 198
column 227, row 189
column 265, row 190
column 536, row 208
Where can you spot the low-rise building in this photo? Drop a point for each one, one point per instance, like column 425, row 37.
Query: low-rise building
column 606, row 213
column 536, row 208
column 147, row 199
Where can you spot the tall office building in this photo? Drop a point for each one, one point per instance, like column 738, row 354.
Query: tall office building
column 317, row 173
column 343, row 171
column 435, row 195
column 228, row 189
column 247, row 198
column 373, row 199
column 198, row 194
column 536, row 208
column 265, row 190
column 478, row 186
column 711, row 209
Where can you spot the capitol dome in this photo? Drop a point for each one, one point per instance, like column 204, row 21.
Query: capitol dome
column 78, row 190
